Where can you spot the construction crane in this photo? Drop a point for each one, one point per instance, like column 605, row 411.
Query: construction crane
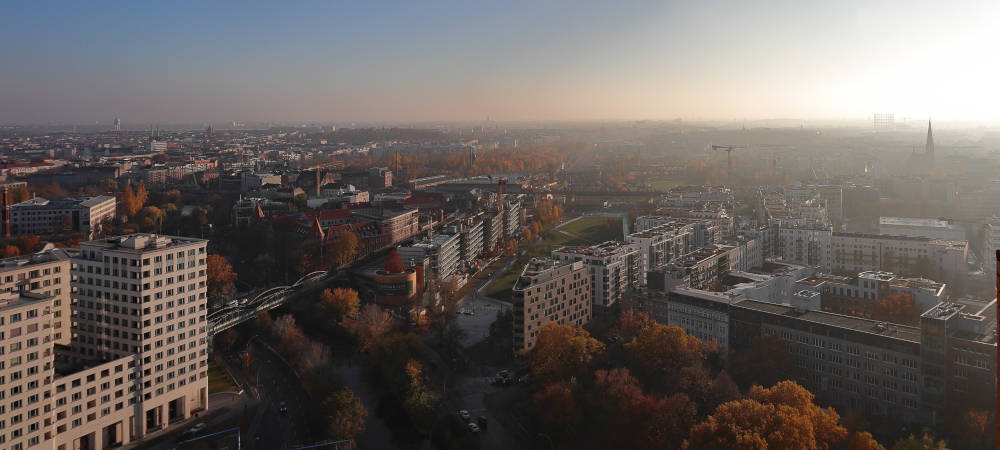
column 729, row 159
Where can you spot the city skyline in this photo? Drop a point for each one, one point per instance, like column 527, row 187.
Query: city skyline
column 451, row 62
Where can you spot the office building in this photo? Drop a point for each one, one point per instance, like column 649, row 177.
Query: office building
column 549, row 291
column 941, row 229
column 63, row 215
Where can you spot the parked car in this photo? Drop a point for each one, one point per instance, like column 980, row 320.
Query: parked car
column 473, row 427
column 198, row 428
column 282, row 407
column 464, row 414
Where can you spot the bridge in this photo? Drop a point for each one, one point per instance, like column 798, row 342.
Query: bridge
column 247, row 307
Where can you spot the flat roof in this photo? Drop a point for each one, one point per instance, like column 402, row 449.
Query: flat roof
column 915, row 222
column 891, row 330
column 142, row 242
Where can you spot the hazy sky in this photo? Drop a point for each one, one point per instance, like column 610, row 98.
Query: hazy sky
column 170, row 62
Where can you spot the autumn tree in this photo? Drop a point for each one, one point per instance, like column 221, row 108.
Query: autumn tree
column 557, row 409
column 783, row 416
column 10, row 251
column 343, row 250
column 659, row 352
column 340, row 303
column 372, row 323
column 221, row 279
column 421, row 402
column 130, row 205
column 562, row 351
column 923, row 442
column 19, row 194
column 898, row 308
column 631, row 323
column 151, row 218
column 291, row 339
column 140, row 194
column 229, row 338
column 346, row 414
column 394, row 262
column 28, row 244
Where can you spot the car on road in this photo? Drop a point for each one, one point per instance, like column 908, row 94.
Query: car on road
column 473, row 427
column 198, row 428
column 464, row 414
column 282, row 407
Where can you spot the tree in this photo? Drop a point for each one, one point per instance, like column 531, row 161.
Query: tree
column 264, row 321
column 924, row 442
column 750, row 424
column 562, row 351
column 130, row 205
column 221, row 279
column 557, row 409
column 897, row 308
column 631, row 323
column 10, row 251
column 372, row 324
column 394, row 262
column 151, row 217
column 161, row 158
column 229, row 337
column 421, row 402
column 19, row 194
column 344, row 249
column 659, row 352
column 290, row 338
column 340, row 304
column 346, row 414
column 140, row 194
column 766, row 362
column 28, row 244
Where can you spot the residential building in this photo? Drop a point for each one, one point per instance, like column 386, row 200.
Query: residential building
column 549, row 291
column 940, row 259
column 702, row 314
column 47, row 273
column 615, row 268
column 700, row 269
column 805, row 243
column 137, row 359
column 858, row 295
column 444, row 251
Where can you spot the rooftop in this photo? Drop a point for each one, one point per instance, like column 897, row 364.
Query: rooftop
column 12, row 300
column 601, row 250
column 140, row 242
column 915, row 222
column 901, row 332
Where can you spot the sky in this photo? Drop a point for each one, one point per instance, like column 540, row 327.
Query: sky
column 330, row 61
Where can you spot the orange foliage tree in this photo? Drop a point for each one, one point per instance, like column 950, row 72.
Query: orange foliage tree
column 659, row 352
column 631, row 323
column 221, row 279
column 563, row 351
column 340, row 303
column 783, row 416
column 897, row 308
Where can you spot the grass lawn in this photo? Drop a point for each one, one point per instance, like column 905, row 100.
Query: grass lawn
column 663, row 184
column 218, row 379
column 592, row 230
column 595, row 228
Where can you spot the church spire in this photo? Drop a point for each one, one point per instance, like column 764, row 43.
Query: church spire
column 929, row 146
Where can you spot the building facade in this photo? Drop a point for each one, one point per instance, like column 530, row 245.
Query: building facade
column 615, row 268
column 549, row 291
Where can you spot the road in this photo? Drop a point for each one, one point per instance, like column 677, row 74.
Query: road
column 275, row 382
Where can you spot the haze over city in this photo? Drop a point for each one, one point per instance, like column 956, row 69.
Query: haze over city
column 557, row 225
column 192, row 62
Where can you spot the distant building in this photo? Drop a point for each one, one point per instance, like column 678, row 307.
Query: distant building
column 549, row 291
column 858, row 295
column 64, row 215
column 919, row 227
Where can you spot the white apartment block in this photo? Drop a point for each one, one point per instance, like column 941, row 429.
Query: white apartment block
column 47, row 273
column 615, row 268
column 138, row 351
column 939, row 259
column 805, row 244
column 64, row 215
column 663, row 243
column 549, row 291
column 444, row 251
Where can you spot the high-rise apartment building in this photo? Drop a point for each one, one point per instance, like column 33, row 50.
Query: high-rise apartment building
column 615, row 268
column 549, row 291
column 137, row 355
